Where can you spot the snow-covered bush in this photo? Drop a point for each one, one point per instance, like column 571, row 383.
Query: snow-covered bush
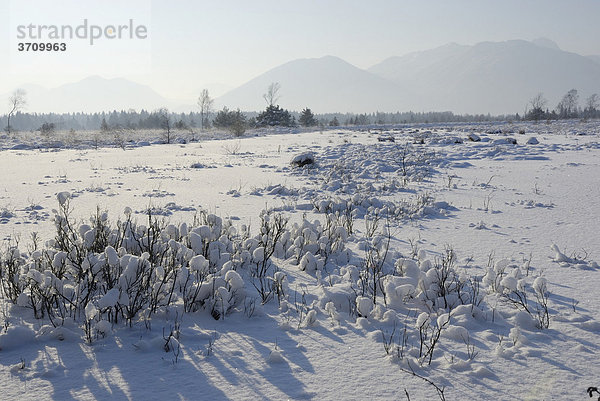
column 97, row 273
column 512, row 285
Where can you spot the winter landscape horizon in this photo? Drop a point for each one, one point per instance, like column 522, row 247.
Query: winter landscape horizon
column 412, row 82
column 299, row 200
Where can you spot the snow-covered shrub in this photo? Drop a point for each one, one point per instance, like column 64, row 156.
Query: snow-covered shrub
column 441, row 284
column 364, row 306
column 429, row 334
column 312, row 244
column 373, row 268
column 511, row 284
column 540, row 290
column 99, row 272
column 11, row 262
column 268, row 241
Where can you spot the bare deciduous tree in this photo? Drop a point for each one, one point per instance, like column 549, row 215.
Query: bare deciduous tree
column 205, row 102
column 16, row 102
column 165, row 123
column 591, row 106
column 567, row 108
column 538, row 103
column 272, row 95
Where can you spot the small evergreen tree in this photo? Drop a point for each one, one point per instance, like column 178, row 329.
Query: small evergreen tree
column 307, row 118
column 275, row 116
column 223, row 119
column 239, row 124
column 47, row 129
column 234, row 121
column 104, row 126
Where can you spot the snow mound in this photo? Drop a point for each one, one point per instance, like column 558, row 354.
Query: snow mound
column 303, row 159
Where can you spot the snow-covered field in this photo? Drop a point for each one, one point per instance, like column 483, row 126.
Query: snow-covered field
column 452, row 253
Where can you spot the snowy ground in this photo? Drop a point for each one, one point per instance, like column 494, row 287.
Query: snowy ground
column 489, row 215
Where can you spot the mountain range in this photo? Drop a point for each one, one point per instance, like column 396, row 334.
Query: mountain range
column 93, row 94
column 494, row 77
column 488, row 77
column 326, row 84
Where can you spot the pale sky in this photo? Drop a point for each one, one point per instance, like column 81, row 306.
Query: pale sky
column 196, row 44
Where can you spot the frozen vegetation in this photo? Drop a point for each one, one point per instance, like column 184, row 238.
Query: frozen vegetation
column 452, row 262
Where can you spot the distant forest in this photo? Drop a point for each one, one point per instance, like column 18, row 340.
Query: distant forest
column 237, row 121
column 21, row 121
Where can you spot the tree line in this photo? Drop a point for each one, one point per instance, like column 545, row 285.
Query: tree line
column 274, row 115
column 568, row 107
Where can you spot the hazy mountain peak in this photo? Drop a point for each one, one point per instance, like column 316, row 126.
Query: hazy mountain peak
column 495, row 77
column 324, row 84
column 92, row 78
column 93, row 94
column 329, row 58
column 324, row 61
column 545, row 42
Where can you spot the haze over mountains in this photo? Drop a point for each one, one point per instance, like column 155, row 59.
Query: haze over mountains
column 326, row 84
column 492, row 77
column 489, row 77
column 93, row 94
